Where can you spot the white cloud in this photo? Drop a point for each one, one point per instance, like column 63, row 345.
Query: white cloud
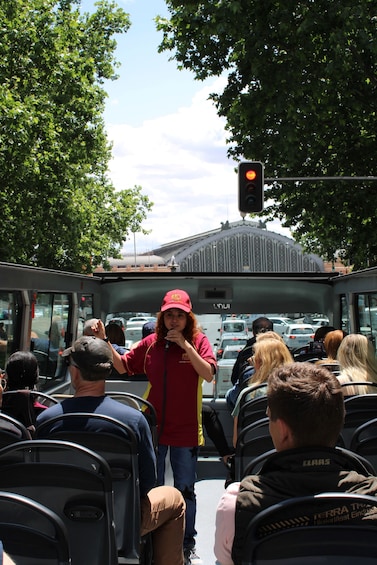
column 181, row 162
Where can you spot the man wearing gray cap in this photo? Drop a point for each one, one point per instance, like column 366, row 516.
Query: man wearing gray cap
column 162, row 508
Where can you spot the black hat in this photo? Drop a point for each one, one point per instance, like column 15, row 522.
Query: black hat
column 90, row 353
column 148, row 328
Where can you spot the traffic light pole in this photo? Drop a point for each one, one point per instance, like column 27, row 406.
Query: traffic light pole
column 278, row 179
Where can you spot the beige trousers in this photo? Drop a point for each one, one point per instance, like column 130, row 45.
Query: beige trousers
column 163, row 514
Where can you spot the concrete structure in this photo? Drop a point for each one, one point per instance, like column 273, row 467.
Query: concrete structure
column 243, row 246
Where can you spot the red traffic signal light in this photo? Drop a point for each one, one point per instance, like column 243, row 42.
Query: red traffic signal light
column 251, row 174
column 250, row 186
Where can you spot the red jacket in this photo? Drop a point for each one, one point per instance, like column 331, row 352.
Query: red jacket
column 175, row 388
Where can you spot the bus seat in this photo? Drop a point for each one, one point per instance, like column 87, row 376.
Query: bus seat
column 12, row 430
column 121, row 453
column 359, row 409
column 32, row 533
column 364, row 441
column 72, row 481
column 139, row 403
column 252, row 442
column 252, row 410
column 288, row 532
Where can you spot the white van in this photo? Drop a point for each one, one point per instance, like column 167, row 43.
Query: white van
column 234, row 326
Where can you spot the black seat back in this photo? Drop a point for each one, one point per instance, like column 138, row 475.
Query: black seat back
column 141, row 404
column 332, row 367
column 372, row 388
column 118, row 446
column 11, row 430
column 329, row 528
column 255, row 465
column 359, row 409
column 75, row 483
column 21, row 405
column 31, row 533
column 251, row 411
column 364, row 441
column 252, row 441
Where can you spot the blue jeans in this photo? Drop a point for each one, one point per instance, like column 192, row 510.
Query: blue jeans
column 231, row 396
column 183, row 463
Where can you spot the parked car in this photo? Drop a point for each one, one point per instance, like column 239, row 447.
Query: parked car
column 319, row 322
column 234, row 326
column 316, row 320
column 134, row 331
column 141, row 319
column 298, row 335
column 280, row 323
column 230, row 340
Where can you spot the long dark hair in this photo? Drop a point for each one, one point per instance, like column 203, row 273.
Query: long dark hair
column 21, row 370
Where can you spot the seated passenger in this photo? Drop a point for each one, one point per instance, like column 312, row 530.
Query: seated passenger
column 331, row 344
column 358, row 363
column 268, row 355
column 315, row 348
column 21, row 374
column 116, row 337
column 162, row 508
column 306, row 412
column 241, row 369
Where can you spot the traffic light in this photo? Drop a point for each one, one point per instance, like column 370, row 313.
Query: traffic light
column 250, row 186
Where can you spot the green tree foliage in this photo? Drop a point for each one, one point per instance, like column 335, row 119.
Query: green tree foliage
column 58, row 206
column 301, row 97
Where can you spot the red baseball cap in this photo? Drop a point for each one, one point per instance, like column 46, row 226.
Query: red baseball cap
column 176, row 299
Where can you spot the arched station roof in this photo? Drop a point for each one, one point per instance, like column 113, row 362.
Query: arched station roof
column 239, row 247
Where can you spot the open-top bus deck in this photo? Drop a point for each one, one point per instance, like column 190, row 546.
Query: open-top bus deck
column 44, row 311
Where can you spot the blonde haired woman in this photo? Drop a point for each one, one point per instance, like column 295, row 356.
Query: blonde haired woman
column 269, row 335
column 268, row 355
column 357, row 362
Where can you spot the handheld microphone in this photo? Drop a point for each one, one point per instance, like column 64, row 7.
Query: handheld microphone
column 167, row 343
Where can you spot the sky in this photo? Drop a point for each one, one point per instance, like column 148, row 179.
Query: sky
column 167, row 137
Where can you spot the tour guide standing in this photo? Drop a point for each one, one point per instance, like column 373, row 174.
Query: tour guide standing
column 175, row 359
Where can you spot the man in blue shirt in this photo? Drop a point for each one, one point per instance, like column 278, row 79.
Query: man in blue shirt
column 162, row 508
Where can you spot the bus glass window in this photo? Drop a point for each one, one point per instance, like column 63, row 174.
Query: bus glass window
column 85, row 311
column 367, row 315
column 50, row 315
column 7, row 313
column 346, row 325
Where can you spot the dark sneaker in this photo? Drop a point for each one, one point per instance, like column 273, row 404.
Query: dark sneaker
column 191, row 558
column 186, row 556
